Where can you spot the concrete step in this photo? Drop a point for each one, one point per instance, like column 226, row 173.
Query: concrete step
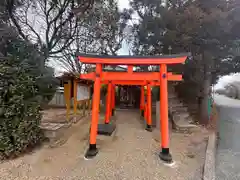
column 180, row 115
column 53, row 131
column 183, row 125
column 183, row 122
column 172, row 96
column 179, row 109
column 57, row 121
column 173, row 105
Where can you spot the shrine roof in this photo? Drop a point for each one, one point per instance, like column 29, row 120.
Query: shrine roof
column 69, row 76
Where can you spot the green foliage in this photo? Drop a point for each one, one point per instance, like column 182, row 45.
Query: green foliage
column 31, row 59
column 24, row 86
column 20, row 110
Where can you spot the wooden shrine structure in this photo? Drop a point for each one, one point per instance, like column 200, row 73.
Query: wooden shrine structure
column 77, row 92
column 130, row 77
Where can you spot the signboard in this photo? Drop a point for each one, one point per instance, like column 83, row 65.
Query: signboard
column 82, row 92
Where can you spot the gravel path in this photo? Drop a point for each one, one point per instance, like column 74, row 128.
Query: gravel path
column 131, row 155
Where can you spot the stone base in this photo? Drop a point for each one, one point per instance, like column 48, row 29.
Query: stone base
column 166, row 156
column 106, row 129
column 91, row 152
column 183, row 122
column 149, row 128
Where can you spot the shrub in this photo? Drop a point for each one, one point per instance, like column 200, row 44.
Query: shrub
column 19, row 108
column 24, row 86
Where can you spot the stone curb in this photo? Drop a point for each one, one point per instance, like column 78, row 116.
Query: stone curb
column 209, row 166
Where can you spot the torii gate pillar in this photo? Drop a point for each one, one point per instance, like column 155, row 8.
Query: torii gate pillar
column 92, row 151
column 165, row 154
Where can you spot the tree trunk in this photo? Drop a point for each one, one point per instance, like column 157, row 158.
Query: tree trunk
column 204, row 115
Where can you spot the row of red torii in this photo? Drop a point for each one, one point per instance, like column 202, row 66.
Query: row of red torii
column 130, row 77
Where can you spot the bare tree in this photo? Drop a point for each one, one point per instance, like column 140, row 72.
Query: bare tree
column 103, row 33
column 50, row 24
column 63, row 28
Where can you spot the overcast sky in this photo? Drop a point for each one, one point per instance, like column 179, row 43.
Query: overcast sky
column 123, row 4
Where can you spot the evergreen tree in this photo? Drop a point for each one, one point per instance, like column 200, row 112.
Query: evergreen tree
column 206, row 28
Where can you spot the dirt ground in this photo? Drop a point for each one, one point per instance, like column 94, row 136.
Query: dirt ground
column 55, row 115
column 58, row 115
column 131, row 155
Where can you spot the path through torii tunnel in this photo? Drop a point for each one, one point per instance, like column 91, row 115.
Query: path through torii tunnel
column 130, row 77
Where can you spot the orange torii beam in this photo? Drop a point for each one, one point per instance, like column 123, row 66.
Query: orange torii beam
column 136, row 83
column 123, row 78
column 134, row 60
column 151, row 76
column 161, row 77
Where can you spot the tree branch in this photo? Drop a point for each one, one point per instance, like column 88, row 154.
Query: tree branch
column 10, row 9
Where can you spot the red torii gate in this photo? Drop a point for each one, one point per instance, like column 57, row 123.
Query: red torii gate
column 131, row 78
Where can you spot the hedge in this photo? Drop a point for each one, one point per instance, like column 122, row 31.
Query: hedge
column 19, row 109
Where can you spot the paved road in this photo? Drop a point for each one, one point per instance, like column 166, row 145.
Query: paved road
column 228, row 149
